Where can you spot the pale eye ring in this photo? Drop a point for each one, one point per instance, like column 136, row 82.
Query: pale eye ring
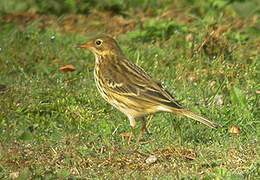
column 98, row 42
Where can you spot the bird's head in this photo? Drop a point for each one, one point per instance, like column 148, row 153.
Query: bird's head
column 103, row 45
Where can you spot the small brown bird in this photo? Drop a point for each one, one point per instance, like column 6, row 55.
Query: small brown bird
column 129, row 88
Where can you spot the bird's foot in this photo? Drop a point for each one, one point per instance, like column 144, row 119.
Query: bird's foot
column 129, row 135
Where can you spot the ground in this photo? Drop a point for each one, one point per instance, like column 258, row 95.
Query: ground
column 55, row 125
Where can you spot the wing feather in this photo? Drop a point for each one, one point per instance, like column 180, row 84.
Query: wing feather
column 137, row 84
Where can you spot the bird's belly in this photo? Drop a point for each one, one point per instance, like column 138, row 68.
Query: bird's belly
column 132, row 108
column 129, row 106
column 102, row 92
column 99, row 87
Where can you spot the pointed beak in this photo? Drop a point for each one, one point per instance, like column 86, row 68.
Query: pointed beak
column 84, row 46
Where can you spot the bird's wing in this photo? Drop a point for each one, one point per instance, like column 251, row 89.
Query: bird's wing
column 127, row 79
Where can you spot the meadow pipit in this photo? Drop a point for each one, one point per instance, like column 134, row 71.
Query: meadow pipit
column 129, row 88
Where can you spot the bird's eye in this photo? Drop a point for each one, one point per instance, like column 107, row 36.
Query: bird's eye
column 98, row 42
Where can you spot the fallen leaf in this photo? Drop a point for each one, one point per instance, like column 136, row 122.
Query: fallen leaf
column 152, row 159
column 234, row 130
column 67, row 68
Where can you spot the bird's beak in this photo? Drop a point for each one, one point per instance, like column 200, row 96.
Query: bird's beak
column 84, row 46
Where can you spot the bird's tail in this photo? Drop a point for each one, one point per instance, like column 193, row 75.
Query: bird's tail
column 198, row 118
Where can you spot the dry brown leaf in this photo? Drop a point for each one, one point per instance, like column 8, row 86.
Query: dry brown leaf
column 234, row 130
column 67, row 68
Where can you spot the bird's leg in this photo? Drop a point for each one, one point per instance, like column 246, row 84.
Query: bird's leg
column 140, row 134
column 142, row 130
column 133, row 124
column 129, row 135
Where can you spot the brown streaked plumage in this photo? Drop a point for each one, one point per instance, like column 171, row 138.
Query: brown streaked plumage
column 128, row 87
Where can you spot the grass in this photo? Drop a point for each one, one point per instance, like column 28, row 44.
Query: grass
column 55, row 125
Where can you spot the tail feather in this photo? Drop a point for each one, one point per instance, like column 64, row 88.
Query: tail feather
column 200, row 119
